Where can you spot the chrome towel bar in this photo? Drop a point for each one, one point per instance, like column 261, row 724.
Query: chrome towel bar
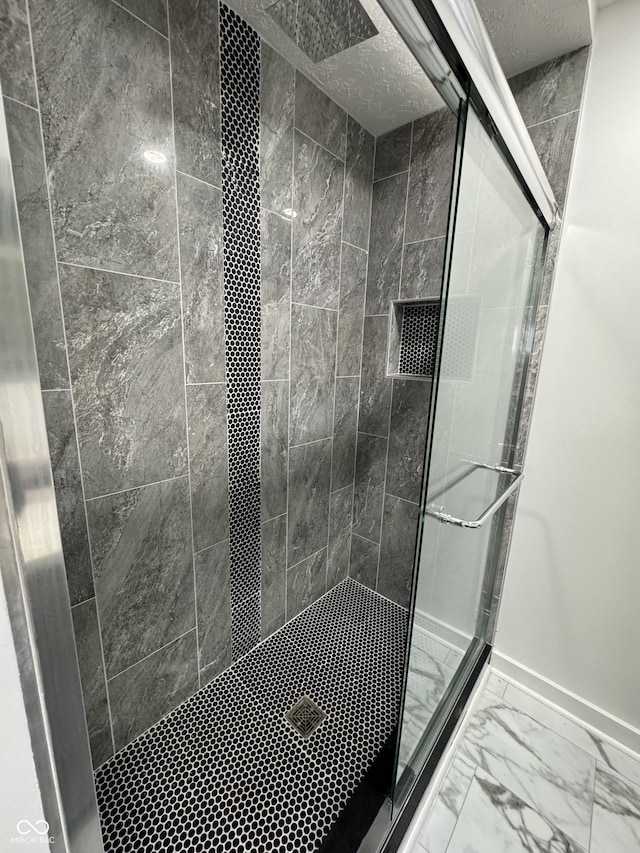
column 445, row 518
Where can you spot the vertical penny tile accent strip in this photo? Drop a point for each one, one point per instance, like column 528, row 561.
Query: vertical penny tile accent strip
column 240, row 113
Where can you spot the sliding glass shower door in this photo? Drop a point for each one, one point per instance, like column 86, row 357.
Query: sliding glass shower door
column 496, row 246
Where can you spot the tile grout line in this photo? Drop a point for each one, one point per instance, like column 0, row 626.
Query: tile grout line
column 393, row 174
column 21, row 103
column 146, row 24
column 292, row 188
column 315, row 141
column 553, row 118
column 186, row 174
column 134, row 488
column 151, row 654
column 116, row 272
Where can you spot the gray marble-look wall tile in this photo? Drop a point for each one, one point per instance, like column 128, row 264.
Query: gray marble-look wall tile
column 393, row 151
column 422, row 269
column 195, row 68
column 63, row 452
column 345, row 425
column 353, row 286
column 407, row 437
column 152, row 12
column 551, row 89
column 318, row 179
column 432, row 155
column 209, row 464
column 385, row 256
column 94, row 689
column 277, row 82
column 125, row 353
column 143, row 694
column 357, row 186
column 319, row 117
column 308, row 506
column 103, row 80
column 371, row 461
column 213, row 605
column 16, row 64
column 375, row 386
column 306, row 582
column 339, row 536
column 397, row 549
column 275, row 293
column 313, row 366
column 274, row 574
column 274, row 447
column 364, row 561
column 143, row 567
column 200, row 217
column 30, row 179
column 554, row 141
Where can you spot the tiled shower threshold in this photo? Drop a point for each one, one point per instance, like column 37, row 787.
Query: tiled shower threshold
column 226, row 770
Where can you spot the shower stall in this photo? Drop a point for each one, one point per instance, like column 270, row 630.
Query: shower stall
column 271, row 279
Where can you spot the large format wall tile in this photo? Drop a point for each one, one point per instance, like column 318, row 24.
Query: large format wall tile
column 306, row 582
column 319, row 117
column 432, row 153
column 393, row 151
column 195, row 68
column 277, row 80
column 345, row 426
column 353, row 286
column 153, row 12
column 371, row 462
column 125, row 353
column 94, row 689
column 554, row 141
column 16, row 65
column 407, row 437
column 318, row 179
column 140, row 696
column 274, row 574
column 274, row 448
column 200, row 217
column 214, row 610
column 341, row 509
column 385, row 256
column 397, row 547
column 30, row 179
column 364, row 561
column 63, row 452
column 422, row 269
column 375, row 386
column 309, row 483
column 552, row 89
column 357, row 186
column 143, row 565
column 275, row 294
column 208, row 463
column 103, row 80
column 313, row 366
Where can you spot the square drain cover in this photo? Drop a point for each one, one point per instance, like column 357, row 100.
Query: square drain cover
column 305, row 716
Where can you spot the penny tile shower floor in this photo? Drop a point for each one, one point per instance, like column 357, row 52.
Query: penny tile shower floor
column 227, row 771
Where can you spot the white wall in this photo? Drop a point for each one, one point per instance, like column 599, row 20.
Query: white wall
column 571, row 605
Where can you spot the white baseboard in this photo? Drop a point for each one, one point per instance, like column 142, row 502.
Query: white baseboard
column 603, row 723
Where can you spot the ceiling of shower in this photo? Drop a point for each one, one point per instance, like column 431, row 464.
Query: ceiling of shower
column 373, row 75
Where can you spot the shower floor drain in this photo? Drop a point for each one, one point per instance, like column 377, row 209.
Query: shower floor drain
column 305, row 716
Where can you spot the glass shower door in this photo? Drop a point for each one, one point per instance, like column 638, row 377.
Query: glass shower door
column 484, row 345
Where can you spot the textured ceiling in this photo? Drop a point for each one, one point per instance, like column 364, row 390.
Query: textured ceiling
column 380, row 83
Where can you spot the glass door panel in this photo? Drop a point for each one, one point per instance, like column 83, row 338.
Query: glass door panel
column 496, row 243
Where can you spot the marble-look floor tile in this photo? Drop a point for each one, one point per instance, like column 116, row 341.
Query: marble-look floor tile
column 112, row 208
column 200, row 216
column 273, row 574
column 397, row 549
column 30, row 181
column 345, row 425
column 551, row 89
column 340, row 510
column 125, row 354
column 274, row 448
column 16, row 64
column 392, row 152
column 546, row 771
column 94, row 688
column 371, row 463
column 275, row 294
column 143, row 694
column 319, row 117
column 308, row 504
column 353, row 287
column 214, row 610
column 616, row 814
column 385, row 255
column 277, row 78
column 357, row 186
column 422, row 269
column 496, row 685
column 363, row 566
column 494, row 818
column 313, row 367
column 143, row 567
column 153, row 12
column 407, row 437
column 427, row 680
column 195, row 68
column 317, row 199
column 375, row 386
column 306, row 582
column 63, row 453
column 437, row 831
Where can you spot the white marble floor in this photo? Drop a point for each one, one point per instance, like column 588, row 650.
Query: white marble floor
column 527, row 778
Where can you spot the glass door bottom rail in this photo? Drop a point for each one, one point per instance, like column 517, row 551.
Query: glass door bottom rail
column 227, row 770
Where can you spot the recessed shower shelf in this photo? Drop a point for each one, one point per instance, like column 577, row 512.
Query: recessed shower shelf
column 413, row 334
